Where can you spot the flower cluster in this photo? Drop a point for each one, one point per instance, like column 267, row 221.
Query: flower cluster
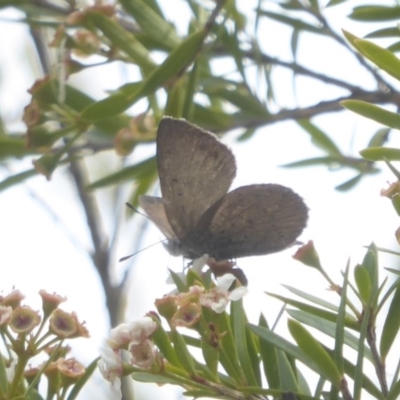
column 132, row 338
column 151, row 348
column 28, row 334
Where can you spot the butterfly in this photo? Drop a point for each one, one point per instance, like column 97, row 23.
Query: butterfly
column 198, row 215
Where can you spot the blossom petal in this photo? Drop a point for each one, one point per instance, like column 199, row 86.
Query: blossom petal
column 225, row 281
column 238, row 293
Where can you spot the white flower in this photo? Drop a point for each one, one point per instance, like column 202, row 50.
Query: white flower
column 218, row 298
column 143, row 354
column 110, row 366
column 199, row 263
column 133, row 332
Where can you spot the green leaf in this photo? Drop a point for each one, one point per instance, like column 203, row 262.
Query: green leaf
column 182, row 353
column 394, row 392
column 16, row 179
column 283, row 344
column 373, row 112
column 123, row 39
column 350, row 321
column 152, row 23
column 287, row 373
column 328, row 328
column 313, row 299
column 134, row 172
column 211, row 357
column 228, row 354
column 293, row 22
column 384, row 33
column 179, row 59
column 383, row 58
column 349, row 184
column 370, row 262
column 163, row 342
column 380, row 137
column 313, row 349
column 332, row 3
column 363, row 282
column 320, row 138
column 392, row 324
column 269, row 357
column 375, row 13
column 381, row 153
column 239, row 331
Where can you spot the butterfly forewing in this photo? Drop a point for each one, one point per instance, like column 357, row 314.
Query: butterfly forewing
column 195, row 172
column 255, row 220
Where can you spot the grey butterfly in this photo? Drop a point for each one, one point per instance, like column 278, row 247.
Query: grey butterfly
column 196, row 213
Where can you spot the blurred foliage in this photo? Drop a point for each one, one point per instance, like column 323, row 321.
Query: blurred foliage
column 64, row 125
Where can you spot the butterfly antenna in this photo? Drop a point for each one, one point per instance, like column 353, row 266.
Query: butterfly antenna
column 145, row 248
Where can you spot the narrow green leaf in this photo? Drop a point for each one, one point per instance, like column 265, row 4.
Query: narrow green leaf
column 313, row 349
column 122, row 38
column 373, row 112
column 340, row 331
column 211, row 357
column 133, row 172
column 269, row 358
column 394, row 392
column 16, row 179
column 229, row 357
column 384, row 33
column 179, row 59
column 375, row 13
column 370, row 262
column 392, row 324
column 182, row 353
column 152, row 23
column 293, row 22
column 310, row 162
column 379, row 138
column 179, row 283
column 163, row 342
column 383, row 58
column 381, row 153
column 239, row 331
column 332, row 3
column 328, row 328
column 313, row 299
column 343, row 187
column 285, row 346
column 287, row 375
column 320, row 138
column 363, row 282
column 330, row 316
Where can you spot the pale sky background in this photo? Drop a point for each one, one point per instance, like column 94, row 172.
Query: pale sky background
column 37, row 250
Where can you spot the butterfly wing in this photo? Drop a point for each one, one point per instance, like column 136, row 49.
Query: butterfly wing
column 195, row 169
column 256, row 220
column 154, row 209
